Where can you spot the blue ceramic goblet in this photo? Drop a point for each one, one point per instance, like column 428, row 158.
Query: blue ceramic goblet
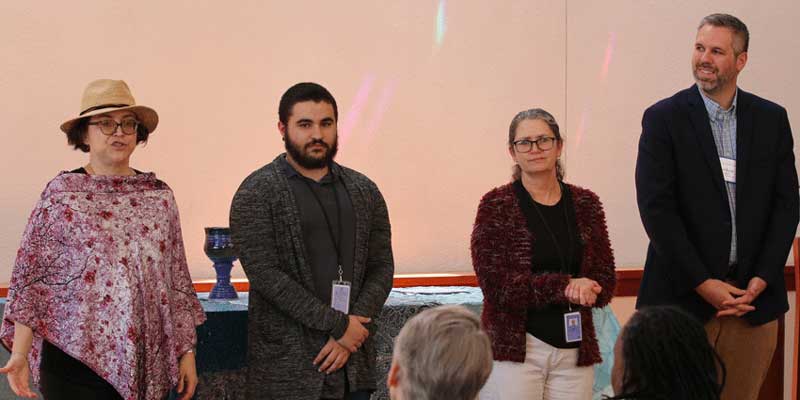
column 219, row 249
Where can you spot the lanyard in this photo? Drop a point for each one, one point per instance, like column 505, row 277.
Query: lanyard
column 336, row 243
column 565, row 261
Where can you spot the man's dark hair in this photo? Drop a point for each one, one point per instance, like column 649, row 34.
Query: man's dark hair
column 305, row 91
column 76, row 136
column 734, row 24
column 666, row 355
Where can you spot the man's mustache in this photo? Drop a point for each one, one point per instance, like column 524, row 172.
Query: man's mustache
column 319, row 142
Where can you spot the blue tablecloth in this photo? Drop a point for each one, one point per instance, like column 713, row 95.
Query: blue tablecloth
column 222, row 340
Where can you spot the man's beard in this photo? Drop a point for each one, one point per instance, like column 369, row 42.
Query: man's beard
column 710, row 86
column 302, row 156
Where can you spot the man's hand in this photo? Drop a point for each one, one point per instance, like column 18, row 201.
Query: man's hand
column 742, row 304
column 582, row 291
column 718, row 293
column 356, row 333
column 332, row 357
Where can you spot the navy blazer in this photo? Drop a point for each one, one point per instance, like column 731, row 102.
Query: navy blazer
column 684, row 208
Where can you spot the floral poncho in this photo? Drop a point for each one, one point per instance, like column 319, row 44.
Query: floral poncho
column 101, row 273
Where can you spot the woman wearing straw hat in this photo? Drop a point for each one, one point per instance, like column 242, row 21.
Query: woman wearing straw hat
column 101, row 304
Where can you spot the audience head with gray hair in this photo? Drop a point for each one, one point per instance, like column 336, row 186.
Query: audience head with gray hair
column 441, row 353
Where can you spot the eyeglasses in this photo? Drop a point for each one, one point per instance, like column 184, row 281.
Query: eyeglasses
column 543, row 143
column 109, row 126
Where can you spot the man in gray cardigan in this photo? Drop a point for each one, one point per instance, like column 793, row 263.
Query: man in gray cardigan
column 314, row 239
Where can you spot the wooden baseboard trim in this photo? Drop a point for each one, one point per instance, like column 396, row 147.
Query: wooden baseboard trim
column 628, row 281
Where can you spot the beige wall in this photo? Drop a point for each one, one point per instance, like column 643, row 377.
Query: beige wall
column 424, row 101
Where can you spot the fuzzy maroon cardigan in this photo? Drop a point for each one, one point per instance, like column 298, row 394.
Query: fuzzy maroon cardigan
column 501, row 255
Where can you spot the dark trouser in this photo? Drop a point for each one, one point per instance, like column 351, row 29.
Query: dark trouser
column 56, row 386
column 59, row 387
column 361, row 395
column 358, row 395
column 64, row 377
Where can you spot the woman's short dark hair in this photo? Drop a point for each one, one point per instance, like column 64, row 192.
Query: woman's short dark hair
column 666, row 355
column 76, row 136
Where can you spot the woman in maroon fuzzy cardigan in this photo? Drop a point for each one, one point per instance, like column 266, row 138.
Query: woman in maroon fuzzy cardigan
column 542, row 257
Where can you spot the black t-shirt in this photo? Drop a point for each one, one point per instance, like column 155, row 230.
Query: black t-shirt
column 554, row 250
column 82, row 170
column 327, row 220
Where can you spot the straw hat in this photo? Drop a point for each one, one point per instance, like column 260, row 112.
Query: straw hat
column 105, row 95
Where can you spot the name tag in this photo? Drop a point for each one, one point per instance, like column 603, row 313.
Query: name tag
column 340, row 296
column 728, row 169
column 572, row 327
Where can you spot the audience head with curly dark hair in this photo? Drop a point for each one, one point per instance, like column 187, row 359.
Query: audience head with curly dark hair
column 664, row 353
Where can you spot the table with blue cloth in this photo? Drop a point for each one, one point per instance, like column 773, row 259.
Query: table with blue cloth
column 222, row 340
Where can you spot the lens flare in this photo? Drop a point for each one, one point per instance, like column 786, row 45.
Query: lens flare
column 441, row 23
column 381, row 107
column 353, row 115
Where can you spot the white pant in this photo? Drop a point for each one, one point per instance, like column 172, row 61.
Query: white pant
column 548, row 373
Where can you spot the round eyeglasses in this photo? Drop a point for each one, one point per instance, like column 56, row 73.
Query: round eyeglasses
column 109, row 126
column 543, row 143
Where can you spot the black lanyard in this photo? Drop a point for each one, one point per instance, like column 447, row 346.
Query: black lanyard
column 336, row 243
column 565, row 261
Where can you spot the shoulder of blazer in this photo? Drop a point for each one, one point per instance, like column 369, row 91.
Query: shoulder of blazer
column 747, row 100
column 676, row 102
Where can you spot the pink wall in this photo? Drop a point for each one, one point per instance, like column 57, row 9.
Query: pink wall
column 426, row 92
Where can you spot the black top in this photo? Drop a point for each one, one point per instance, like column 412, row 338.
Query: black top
column 321, row 248
column 561, row 256
column 82, row 170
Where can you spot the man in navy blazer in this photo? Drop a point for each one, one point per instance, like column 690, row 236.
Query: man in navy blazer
column 717, row 192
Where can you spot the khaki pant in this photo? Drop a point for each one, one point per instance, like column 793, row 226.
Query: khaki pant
column 746, row 351
column 548, row 373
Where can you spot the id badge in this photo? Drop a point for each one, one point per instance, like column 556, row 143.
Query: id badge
column 572, row 327
column 340, row 296
column 728, row 169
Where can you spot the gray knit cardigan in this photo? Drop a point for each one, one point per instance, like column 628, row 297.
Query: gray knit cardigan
column 287, row 324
